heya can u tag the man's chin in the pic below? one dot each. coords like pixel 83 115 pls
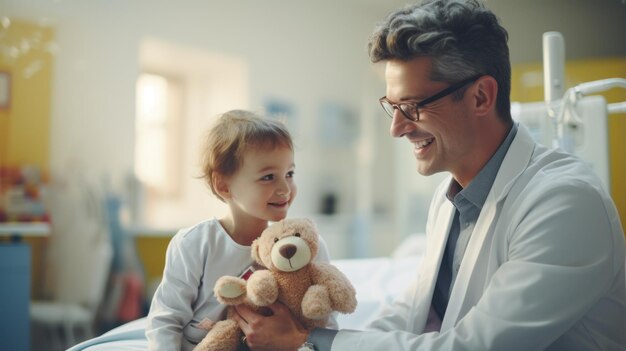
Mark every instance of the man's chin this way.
pixel 423 170
pixel 426 170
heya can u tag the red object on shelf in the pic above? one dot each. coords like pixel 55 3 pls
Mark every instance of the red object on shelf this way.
pixel 21 191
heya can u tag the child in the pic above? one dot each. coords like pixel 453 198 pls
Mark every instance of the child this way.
pixel 249 165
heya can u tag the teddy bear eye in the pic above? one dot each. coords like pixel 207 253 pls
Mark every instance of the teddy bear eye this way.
pixel 275 240
pixel 297 235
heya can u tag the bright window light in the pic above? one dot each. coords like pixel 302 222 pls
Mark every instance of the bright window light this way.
pixel 156 137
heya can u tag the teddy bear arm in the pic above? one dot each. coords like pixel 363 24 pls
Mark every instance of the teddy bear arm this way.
pixel 340 290
pixel 316 303
pixel 262 288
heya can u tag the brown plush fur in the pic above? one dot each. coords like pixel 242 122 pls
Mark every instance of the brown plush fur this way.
pixel 310 290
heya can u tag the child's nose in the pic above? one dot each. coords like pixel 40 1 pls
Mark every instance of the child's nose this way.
pixel 283 189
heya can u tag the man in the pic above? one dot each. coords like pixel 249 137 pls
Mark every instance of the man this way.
pixel 525 249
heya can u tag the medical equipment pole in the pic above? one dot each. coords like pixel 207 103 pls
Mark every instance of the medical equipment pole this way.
pixel 553 66
pixel 554 87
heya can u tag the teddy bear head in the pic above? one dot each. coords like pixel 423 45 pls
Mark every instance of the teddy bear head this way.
pixel 287 245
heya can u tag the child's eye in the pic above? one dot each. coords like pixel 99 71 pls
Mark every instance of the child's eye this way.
pixel 290 174
pixel 267 177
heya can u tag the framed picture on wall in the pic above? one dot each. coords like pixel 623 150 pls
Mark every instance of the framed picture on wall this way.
pixel 5 90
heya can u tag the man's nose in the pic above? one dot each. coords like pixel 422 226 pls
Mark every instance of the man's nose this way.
pixel 398 124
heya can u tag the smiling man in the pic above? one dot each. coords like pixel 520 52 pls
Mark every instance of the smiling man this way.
pixel 525 250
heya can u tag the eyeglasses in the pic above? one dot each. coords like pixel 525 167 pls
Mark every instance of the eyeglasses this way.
pixel 410 110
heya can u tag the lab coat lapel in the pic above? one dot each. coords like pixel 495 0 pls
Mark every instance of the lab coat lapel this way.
pixel 471 271
pixel 436 245
pixel 469 266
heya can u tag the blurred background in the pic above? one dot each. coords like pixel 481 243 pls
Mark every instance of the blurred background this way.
pixel 104 104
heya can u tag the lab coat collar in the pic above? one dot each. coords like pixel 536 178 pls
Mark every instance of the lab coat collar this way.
pixel 514 163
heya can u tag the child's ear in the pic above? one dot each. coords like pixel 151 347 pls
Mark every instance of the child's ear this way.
pixel 220 183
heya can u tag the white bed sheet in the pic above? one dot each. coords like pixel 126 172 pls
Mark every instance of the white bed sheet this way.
pixel 378 281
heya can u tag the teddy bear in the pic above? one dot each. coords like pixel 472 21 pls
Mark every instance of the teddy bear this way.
pixel 311 290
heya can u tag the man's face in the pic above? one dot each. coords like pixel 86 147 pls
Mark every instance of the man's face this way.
pixel 443 136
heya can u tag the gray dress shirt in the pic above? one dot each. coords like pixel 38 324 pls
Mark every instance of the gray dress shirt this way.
pixel 468 203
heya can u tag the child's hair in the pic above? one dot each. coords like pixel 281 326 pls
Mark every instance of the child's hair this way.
pixel 234 133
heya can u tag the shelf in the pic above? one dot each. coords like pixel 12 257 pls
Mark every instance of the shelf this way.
pixel 24 229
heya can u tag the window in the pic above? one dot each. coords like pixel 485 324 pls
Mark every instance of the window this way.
pixel 157 134
pixel 176 103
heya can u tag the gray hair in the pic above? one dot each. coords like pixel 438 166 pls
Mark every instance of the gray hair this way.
pixel 463 39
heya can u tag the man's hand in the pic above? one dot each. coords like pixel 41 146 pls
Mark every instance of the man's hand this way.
pixel 278 332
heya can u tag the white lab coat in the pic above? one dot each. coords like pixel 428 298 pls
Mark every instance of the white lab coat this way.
pixel 544 267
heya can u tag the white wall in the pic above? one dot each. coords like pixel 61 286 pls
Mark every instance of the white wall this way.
pixel 306 53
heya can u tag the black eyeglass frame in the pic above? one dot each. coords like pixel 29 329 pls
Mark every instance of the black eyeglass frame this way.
pixel 443 93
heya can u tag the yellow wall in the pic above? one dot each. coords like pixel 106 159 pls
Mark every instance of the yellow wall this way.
pixel 151 251
pixel 25 126
pixel 527 86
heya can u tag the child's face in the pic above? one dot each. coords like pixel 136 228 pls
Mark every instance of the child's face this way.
pixel 264 186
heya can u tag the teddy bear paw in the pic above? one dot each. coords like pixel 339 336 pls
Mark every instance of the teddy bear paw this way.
pixel 230 290
pixel 316 311
pixel 316 303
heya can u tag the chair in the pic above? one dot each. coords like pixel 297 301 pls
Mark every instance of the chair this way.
pixel 79 264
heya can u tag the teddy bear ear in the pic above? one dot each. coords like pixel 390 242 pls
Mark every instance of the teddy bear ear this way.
pixel 310 223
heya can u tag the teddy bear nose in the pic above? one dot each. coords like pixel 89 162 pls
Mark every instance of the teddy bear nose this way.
pixel 288 250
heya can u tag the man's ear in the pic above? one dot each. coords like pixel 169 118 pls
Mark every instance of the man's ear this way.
pixel 221 185
pixel 485 93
